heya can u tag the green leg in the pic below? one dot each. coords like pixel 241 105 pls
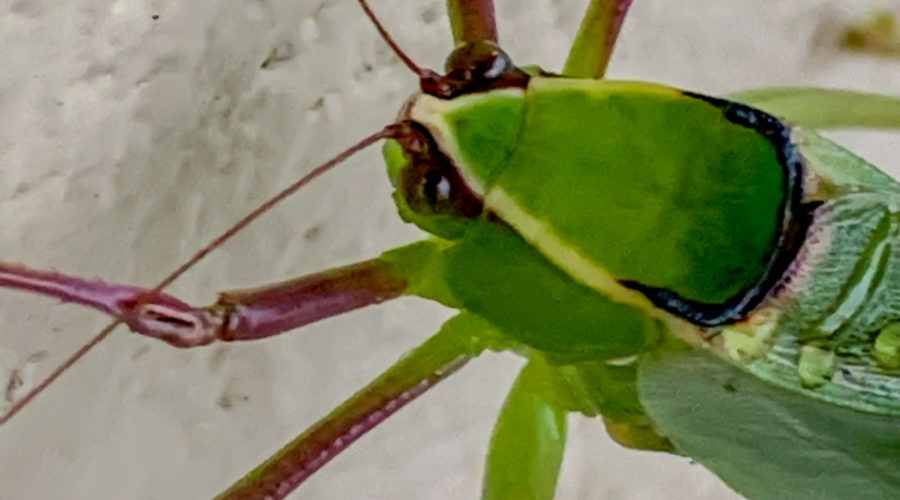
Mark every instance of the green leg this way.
pixel 825 108
pixel 528 443
pixel 596 39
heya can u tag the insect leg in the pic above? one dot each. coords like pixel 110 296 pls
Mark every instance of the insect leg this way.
pixel 825 108
pixel 458 341
pixel 247 314
pixel 596 38
pixel 529 437
pixel 528 443
pixel 472 21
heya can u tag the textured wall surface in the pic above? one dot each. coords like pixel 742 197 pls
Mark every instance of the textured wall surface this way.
pixel 128 140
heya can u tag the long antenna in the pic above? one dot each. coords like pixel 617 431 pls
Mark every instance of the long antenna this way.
pixel 389 131
pixel 415 68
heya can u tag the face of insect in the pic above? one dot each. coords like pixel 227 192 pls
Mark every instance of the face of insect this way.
pixel 430 189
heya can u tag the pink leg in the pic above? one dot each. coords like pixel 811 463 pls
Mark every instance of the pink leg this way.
pixel 436 359
pixel 238 315
pixel 472 20
pixel 270 310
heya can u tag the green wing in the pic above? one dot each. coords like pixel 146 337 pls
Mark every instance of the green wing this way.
pixel 767 442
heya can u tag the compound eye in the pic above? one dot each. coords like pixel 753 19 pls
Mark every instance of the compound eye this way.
pixel 435 188
pixel 479 61
pixel 429 182
pixel 474 67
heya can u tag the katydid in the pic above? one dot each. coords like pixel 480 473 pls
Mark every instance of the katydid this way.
pixel 614 280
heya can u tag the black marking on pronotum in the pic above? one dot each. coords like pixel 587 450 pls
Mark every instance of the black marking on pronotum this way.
pixel 792 229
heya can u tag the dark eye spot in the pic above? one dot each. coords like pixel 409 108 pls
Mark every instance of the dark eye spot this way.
pixel 474 67
pixel 431 183
pixel 435 187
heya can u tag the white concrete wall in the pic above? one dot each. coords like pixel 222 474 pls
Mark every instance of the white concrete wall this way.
pixel 128 142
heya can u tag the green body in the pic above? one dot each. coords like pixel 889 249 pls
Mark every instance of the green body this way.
pixel 710 278
pixel 566 161
pixel 590 185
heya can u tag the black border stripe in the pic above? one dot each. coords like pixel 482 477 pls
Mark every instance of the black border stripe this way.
pixel 791 233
